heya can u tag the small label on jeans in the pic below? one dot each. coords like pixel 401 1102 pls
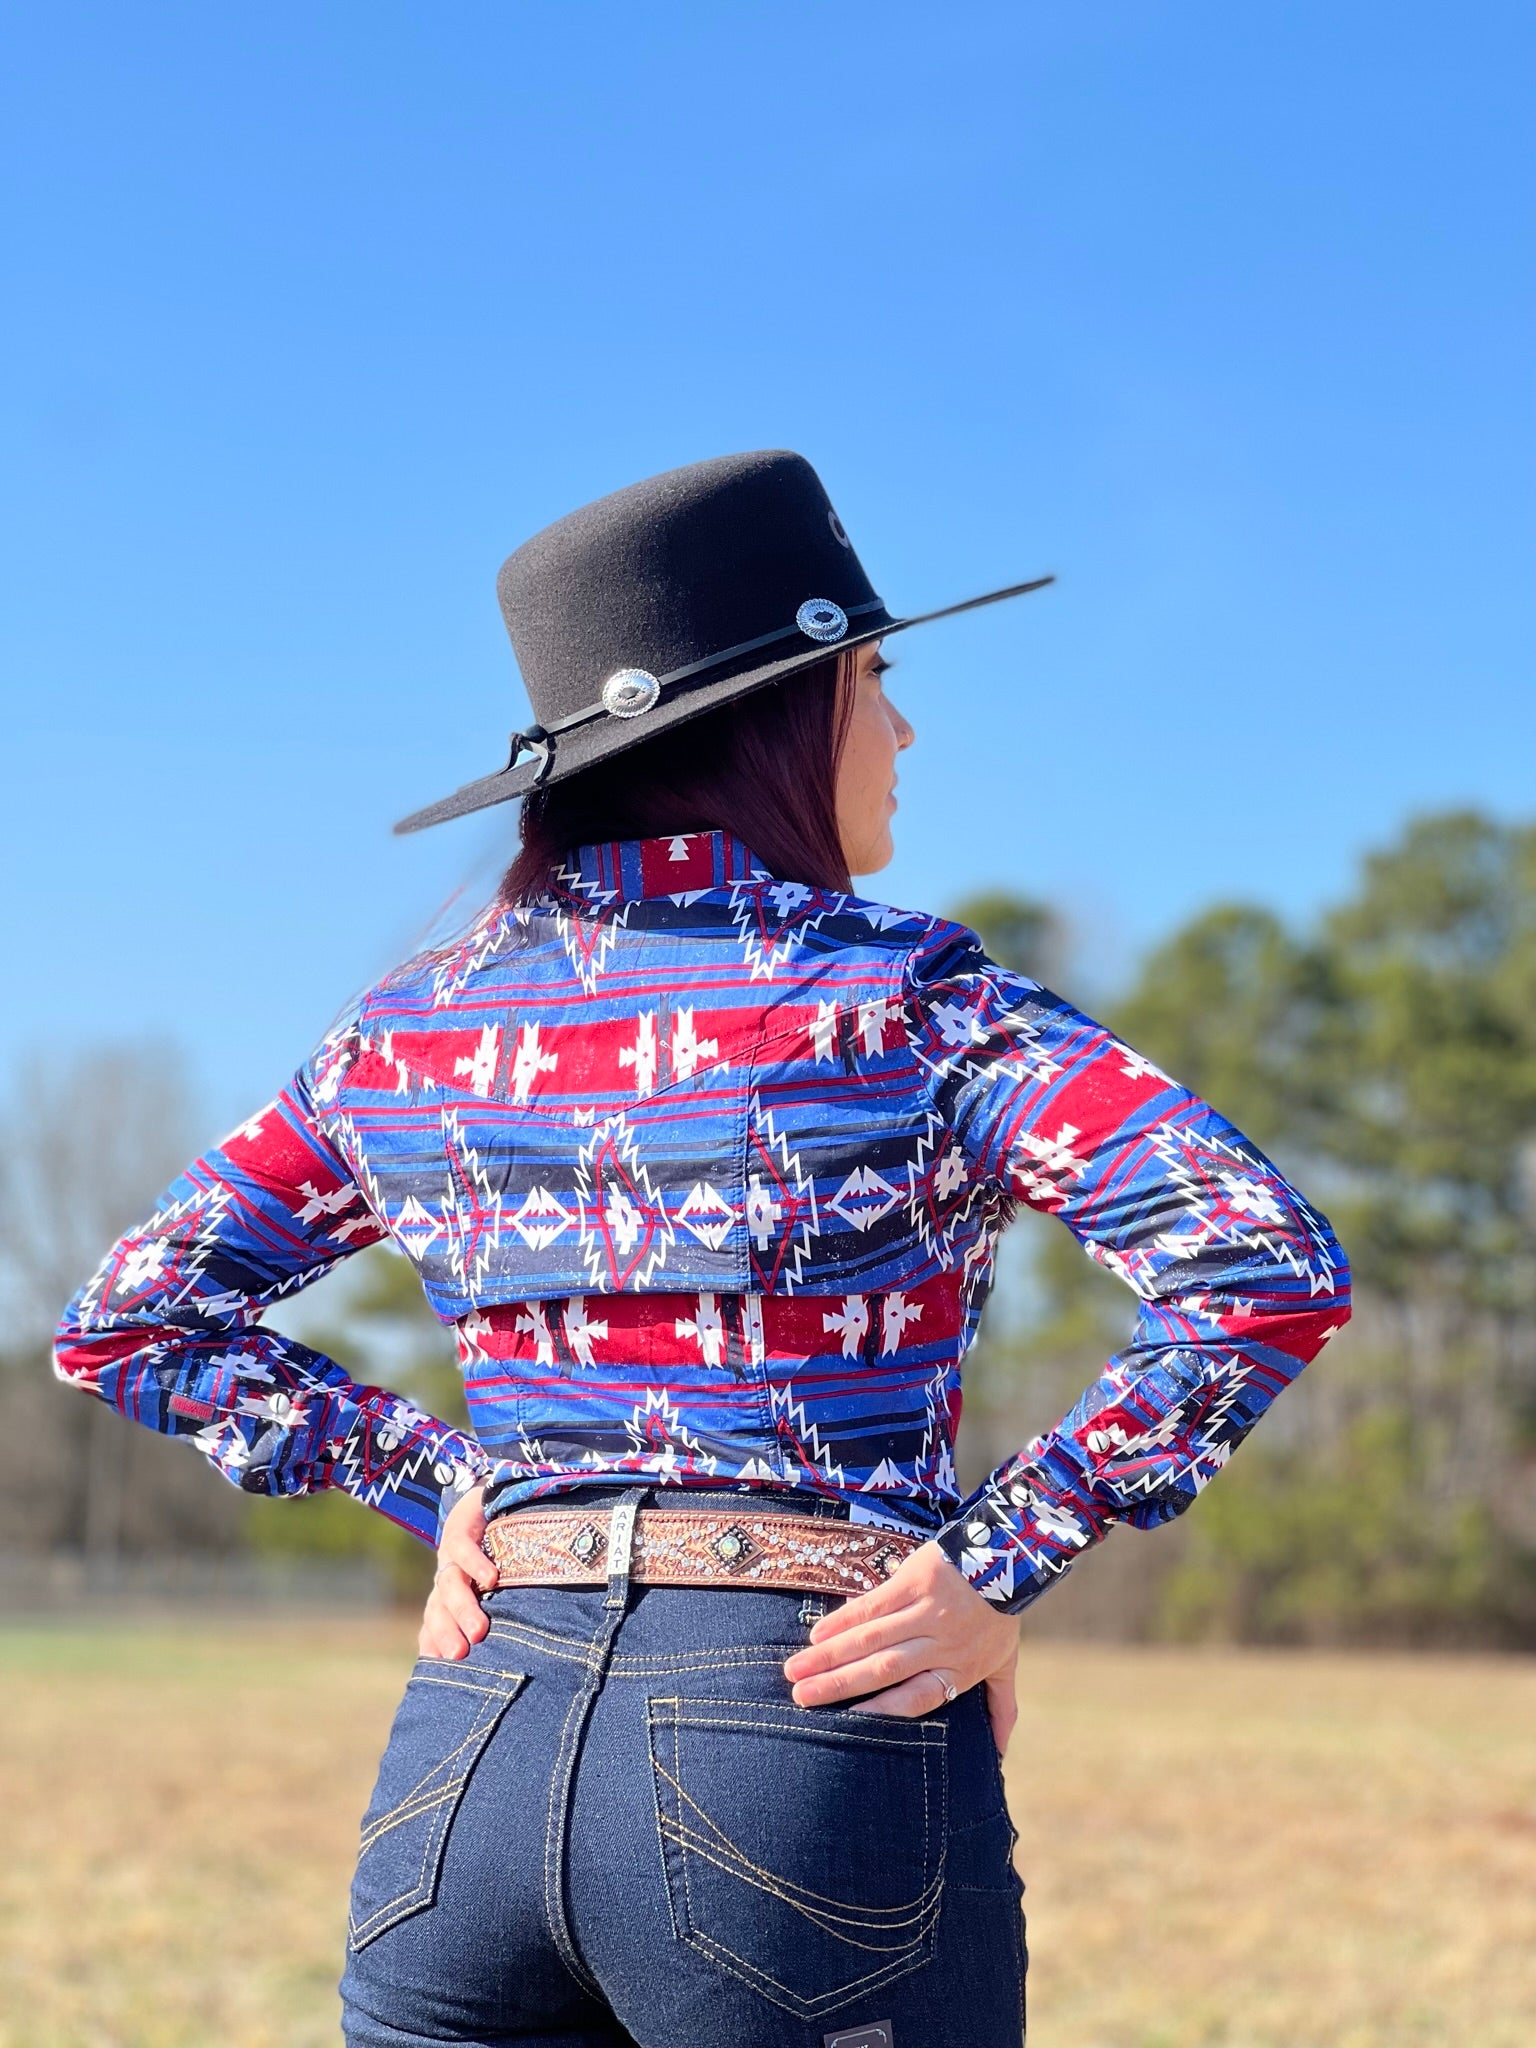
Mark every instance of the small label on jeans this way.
pixel 876 2035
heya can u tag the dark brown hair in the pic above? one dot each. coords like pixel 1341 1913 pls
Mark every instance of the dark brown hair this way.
pixel 763 768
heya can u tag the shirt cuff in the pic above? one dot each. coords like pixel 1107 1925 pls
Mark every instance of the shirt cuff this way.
pixel 471 1468
pixel 1024 1528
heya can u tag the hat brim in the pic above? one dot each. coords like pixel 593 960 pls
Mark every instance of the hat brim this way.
pixel 605 736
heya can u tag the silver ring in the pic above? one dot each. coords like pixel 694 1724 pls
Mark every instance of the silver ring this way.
pixel 951 1692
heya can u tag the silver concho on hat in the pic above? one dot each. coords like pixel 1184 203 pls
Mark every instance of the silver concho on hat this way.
pixel 820 619
pixel 630 692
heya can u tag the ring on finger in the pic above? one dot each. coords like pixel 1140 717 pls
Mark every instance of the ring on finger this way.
pixel 951 1690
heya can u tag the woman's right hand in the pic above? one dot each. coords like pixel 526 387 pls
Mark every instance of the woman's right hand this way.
pixel 454 1618
pixel 919 1639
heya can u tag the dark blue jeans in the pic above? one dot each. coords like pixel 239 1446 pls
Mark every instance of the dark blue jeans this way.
pixel 611 1825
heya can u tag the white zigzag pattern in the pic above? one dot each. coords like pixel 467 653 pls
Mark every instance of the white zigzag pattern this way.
pixel 331 1060
pixel 589 961
pixel 1212 1448
pixel 809 1227
pixel 746 904
pixel 936 1137
pixel 614 1131
pixel 934 1466
pixel 465 1229
pixel 427 1459
pixel 473 951
pixel 659 1412
pixel 977 1053
pixel 413 1226
pixel 1174 1150
pixel 207 1208
pixel 789 1417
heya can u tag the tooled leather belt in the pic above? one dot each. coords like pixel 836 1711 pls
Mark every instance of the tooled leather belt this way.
pixel 696 1547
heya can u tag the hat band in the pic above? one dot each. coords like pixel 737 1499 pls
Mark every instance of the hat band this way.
pixel 641 690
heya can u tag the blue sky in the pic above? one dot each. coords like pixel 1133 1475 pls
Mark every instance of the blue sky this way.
pixel 1223 314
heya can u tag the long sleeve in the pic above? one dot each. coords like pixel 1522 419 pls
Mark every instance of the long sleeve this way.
pixel 1240 1282
pixel 169 1332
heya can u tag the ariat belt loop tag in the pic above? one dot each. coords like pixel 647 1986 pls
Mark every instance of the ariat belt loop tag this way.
pixel 621 1540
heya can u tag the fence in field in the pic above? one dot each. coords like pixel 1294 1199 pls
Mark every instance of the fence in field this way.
pixel 75 1585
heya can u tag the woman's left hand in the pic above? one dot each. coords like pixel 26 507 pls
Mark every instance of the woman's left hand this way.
pixel 898 1649
pixel 454 1619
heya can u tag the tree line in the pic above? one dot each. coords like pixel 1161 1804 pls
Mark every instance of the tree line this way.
pixel 1385 1058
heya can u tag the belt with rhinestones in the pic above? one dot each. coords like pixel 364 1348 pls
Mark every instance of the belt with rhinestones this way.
pixel 696 1547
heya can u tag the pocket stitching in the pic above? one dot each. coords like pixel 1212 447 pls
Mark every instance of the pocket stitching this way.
pixel 494 1692
pixel 414 1798
pixel 922 1739
pixel 791 2001
pixel 788 1726
pixel 406 1901
pixel 824 1909
pixel 699 1660
pixel 495 1701
pixel 399 1908
pixel 542 1641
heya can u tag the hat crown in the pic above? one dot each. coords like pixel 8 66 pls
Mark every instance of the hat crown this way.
pixel 674 571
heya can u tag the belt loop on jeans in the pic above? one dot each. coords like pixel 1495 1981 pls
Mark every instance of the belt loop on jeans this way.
pixel 621 1539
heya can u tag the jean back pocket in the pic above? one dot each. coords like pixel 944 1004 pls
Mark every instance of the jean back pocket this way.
pixel 441 1729
pixel 803 1848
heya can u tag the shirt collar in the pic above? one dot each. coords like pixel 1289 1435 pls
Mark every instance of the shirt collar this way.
pixel 628 870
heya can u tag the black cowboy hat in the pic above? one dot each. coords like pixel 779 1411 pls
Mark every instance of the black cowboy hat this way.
pixel 668 598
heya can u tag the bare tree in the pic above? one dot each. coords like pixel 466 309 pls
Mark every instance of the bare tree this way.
pixel 86 1145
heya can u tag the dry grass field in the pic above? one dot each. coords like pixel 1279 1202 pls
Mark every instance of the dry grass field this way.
pixel 1223 1851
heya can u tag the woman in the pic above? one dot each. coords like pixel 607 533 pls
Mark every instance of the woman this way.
pixel 706 1157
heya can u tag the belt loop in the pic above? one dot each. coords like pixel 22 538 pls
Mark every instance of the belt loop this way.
pixel 621 1540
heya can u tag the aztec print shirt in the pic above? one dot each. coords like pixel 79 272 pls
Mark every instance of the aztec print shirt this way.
pixel 707 1169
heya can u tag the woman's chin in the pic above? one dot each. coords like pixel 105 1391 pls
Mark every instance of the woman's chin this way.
pixel 872 858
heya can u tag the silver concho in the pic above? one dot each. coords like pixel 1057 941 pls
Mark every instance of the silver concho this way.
pixel 820 619
pixel 629 692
